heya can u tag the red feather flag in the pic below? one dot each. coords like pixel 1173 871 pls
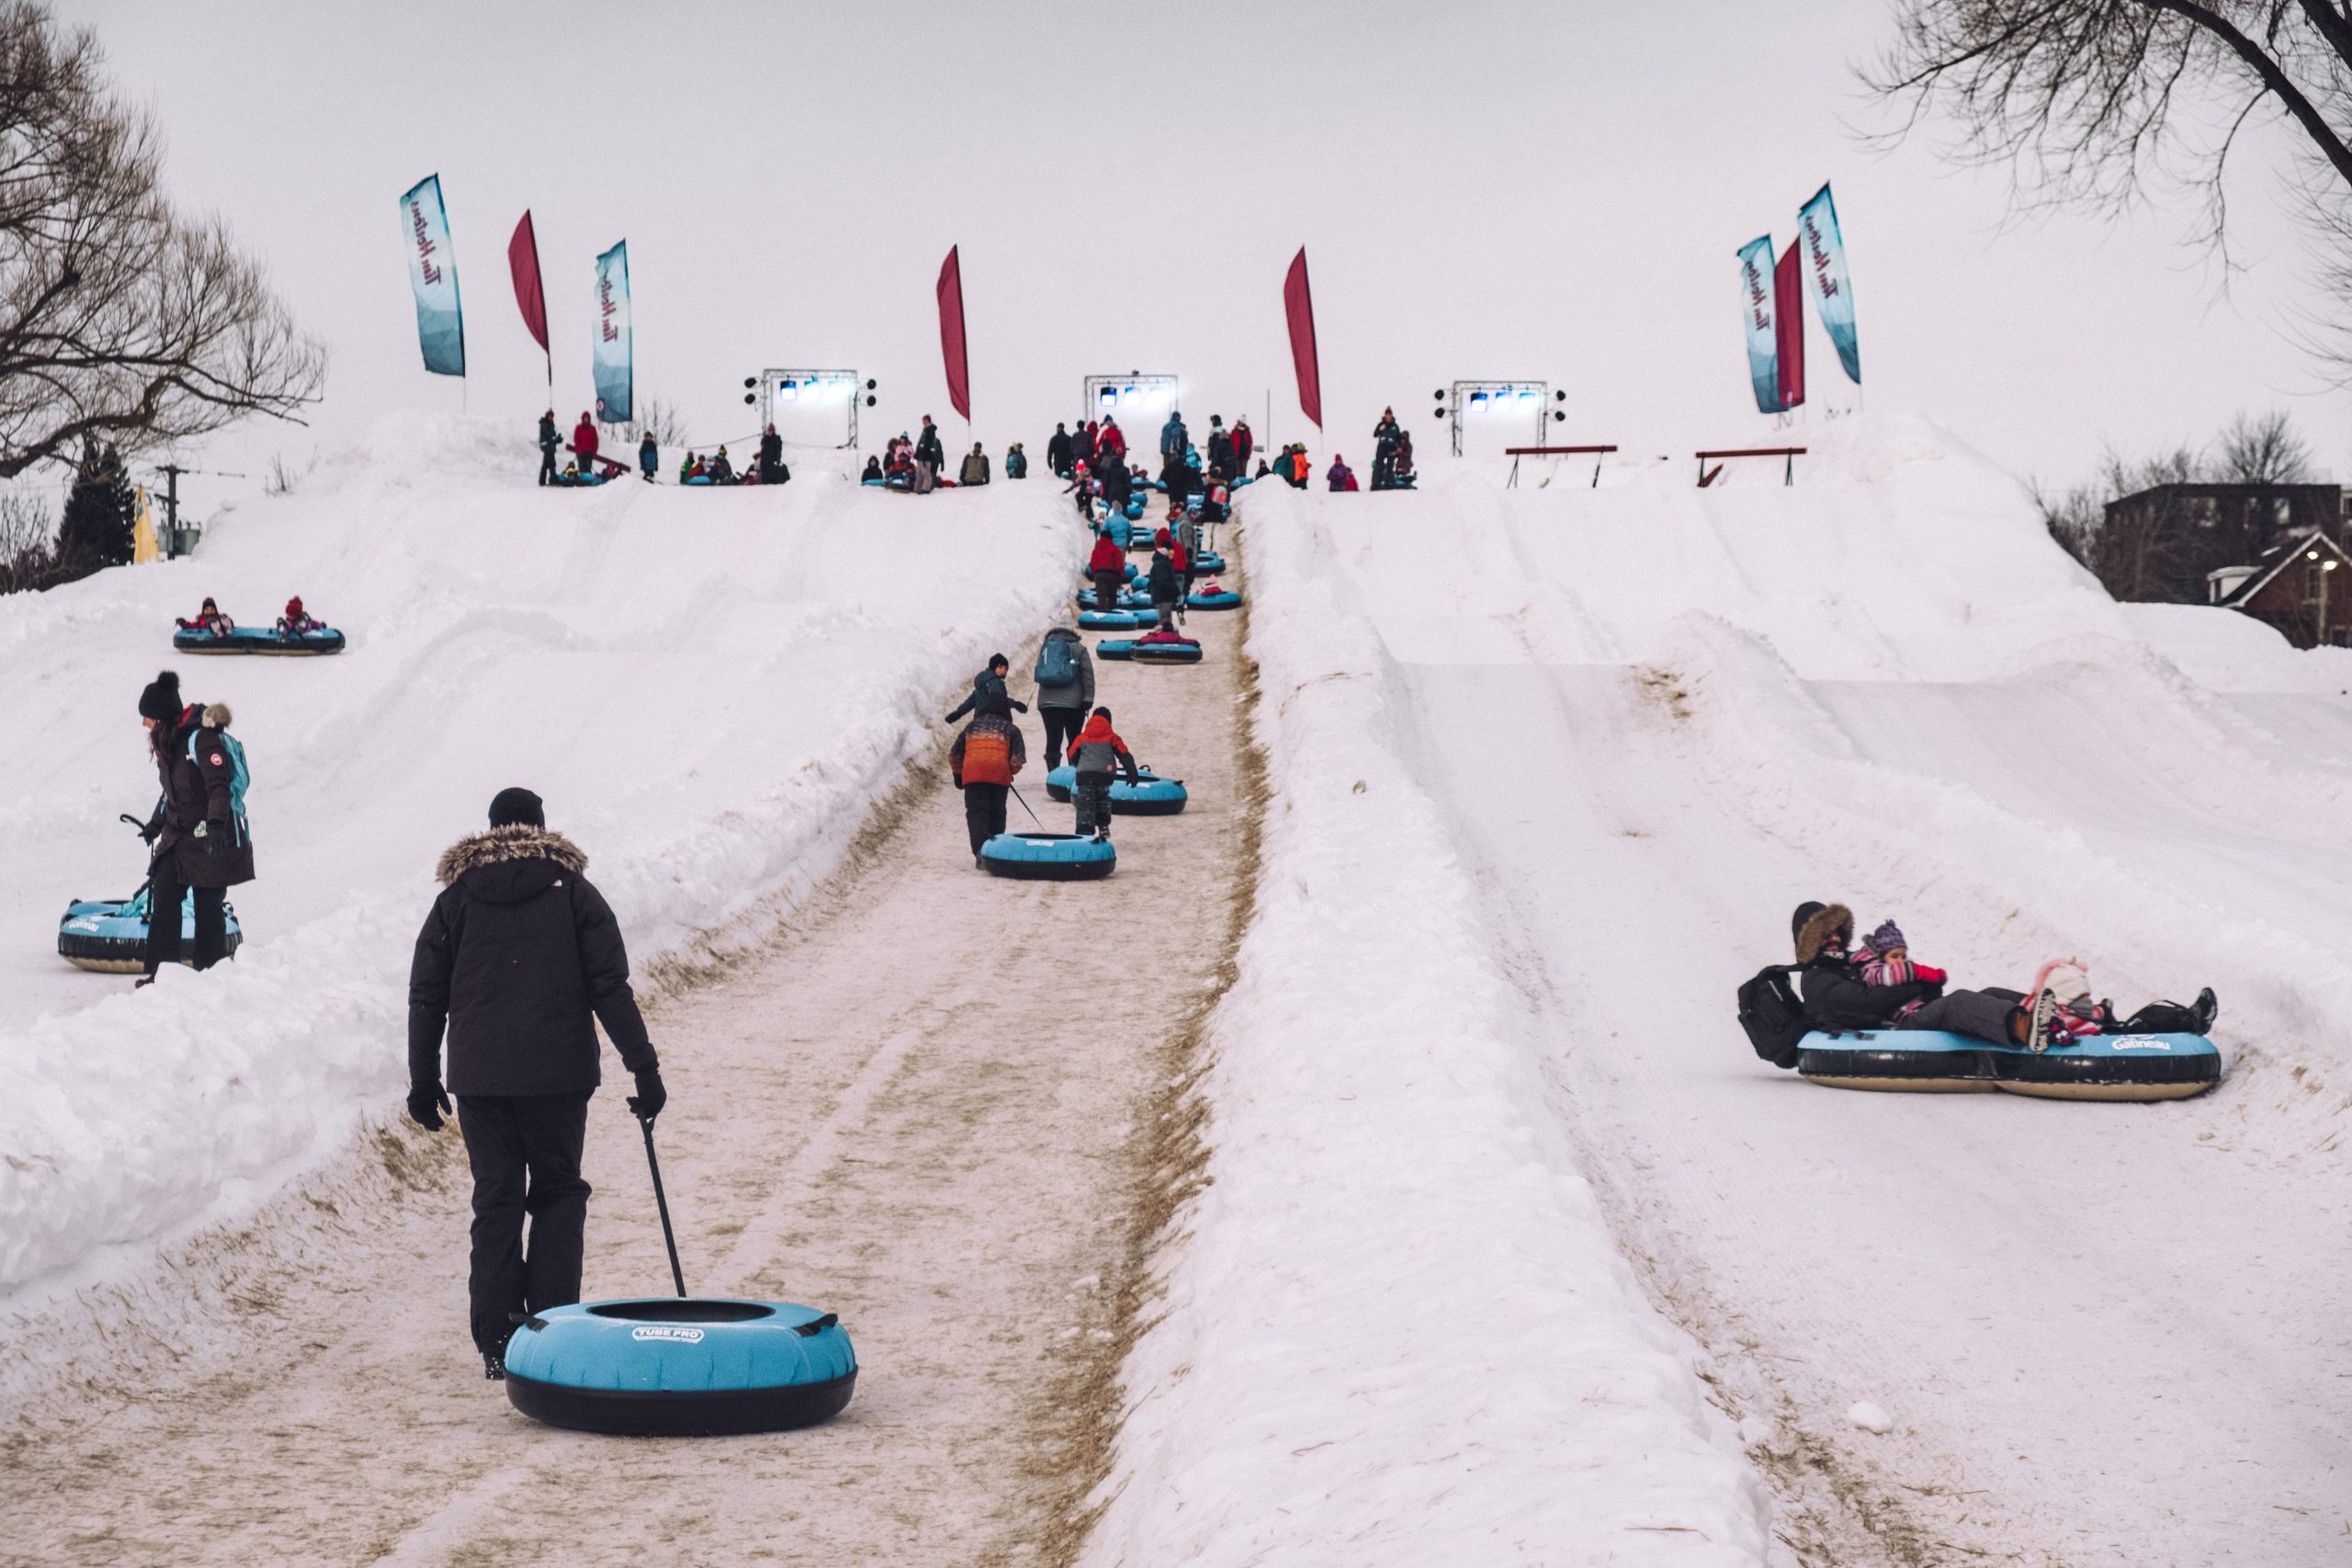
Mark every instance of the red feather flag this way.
pixel 1299 305
pixel 1788 324
pixel 951 334
pixel 523 260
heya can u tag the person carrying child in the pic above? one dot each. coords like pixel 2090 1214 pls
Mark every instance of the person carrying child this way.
pixel 1096 754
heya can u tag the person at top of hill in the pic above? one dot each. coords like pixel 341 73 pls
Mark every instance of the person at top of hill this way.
pixel 688 467
pixel 1096 754
pixel 1111 440
pixel 583 439
pixel 1085 443
pixel 1108 566
pixel 649 457
pixel 208 620
pixel 1400 462
pixel 1059 450
pixel 1116 482
pixel 873 474
pixel 722 471
pixel 1214 501
pixel 518 960
pixel 929 458
pixel 984 760
pixel 1016 462
pixel 1243 445
pixel 975 470
pixel 1342 477
pixel 1220 450
pixel 549 439
pixel 1083 488
pixel 1173 438
pixel 1065 676
pixel 772 469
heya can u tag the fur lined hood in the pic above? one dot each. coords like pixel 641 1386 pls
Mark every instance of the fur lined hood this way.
pixel 1815 924
pixel 216 717
pixel 495 846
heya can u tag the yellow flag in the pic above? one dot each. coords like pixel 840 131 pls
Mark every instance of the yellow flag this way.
pixel 143 547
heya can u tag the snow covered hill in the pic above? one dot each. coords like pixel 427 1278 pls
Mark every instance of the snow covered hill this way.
pixel 709 688
pixel 1551 768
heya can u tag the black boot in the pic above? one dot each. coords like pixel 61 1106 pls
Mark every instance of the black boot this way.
pixel 493 1366
pixel 2205 1009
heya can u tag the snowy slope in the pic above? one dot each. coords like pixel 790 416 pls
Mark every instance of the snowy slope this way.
pixel 708 687
pixel 1652 719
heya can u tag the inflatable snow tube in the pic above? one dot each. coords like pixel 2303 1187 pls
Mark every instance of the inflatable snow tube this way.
pixel 1172 650
pixel 1049 857
pixel 1130 600
pixel 1115 647
pixel 109 936
pixel 2099 1067
pixel 1221 599
pixel 1133 512
pixel 680 1367
pixel 1116 620
pixel 1149 796
pixel 254 639
pixel 1208 561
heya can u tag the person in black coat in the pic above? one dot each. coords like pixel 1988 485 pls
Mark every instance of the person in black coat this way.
pixel 520 959
pixel 1058 452
pixel 550 438
pixel 1836 1000
pixel 772 468
pixel 199 841
pixel 1118 483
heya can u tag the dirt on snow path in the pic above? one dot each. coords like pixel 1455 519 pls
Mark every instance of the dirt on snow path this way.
pixel 937 1102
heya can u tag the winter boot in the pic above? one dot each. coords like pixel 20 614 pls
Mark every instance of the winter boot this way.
pixel 493 1366
pixel 2205 1009
pixel 2045 1012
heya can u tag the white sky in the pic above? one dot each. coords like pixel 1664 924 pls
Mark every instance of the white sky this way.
pixel 1485 191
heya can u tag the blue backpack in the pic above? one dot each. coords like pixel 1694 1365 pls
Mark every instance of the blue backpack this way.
pixel 1058 663
pixel 240 775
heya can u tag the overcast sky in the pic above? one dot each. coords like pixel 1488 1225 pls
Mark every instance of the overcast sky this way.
pixel 1534 190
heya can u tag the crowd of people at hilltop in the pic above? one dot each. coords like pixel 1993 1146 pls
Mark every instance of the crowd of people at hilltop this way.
pixel 1094 455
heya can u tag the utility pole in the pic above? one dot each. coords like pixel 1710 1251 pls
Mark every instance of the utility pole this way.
pixel 171 472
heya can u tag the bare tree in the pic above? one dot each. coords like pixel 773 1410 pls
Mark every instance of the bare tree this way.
pixel 120 320
pixel 2262 450
pixel 28 544
pixel 655 418
pixel 2098 102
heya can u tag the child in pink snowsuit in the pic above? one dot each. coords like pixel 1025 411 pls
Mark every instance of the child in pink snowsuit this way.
pixel 1886 960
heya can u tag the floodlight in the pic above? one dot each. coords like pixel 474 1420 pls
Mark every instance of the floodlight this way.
pixel 750 397
pixel 751 380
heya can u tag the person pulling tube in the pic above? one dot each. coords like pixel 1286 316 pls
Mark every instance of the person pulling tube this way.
pixel 520 958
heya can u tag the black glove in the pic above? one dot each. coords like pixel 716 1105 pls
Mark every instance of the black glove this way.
pixel 1021 707
pixel 426 1103
pixel 650 1097
pixel 215 838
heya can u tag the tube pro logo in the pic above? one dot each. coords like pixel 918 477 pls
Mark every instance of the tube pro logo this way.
pixel 668 1332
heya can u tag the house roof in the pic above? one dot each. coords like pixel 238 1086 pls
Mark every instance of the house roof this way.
pixel 2276 560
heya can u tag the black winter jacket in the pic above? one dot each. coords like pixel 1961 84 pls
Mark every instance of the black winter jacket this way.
pixel 518 955
pixel 928 449
pixel 1165 589
pixel 1058 452
pixel 1835 999
pixel 199 792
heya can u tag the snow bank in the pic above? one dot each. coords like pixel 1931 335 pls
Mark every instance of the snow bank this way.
pixel 1400 1330
pixel 709 688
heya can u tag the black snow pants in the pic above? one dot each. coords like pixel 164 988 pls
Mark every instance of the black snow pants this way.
pixel 1106 589
pixel 984 811
pixel 1979 1015
pixel 1062 726
pixel 525 1150
pixel 164 897
pixel 1093 794
pixel 547 465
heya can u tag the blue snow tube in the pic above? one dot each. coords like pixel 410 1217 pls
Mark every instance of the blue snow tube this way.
pixel 1208 561
pixel 1130 600
pixel 1117 620
pixel 1222 599
pixel 1149 796
pixel 1049 857
pixel 2098 1066
pixel 1115 647
pixel 680 1367
pixel 109 936
pixel 259 640
pixel 1175 650
pixel 1133 512
pixel 700 479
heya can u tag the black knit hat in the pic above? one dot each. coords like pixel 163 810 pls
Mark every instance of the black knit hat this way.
pixel 160 700
pixel 517 807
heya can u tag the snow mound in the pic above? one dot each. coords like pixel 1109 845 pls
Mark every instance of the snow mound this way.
pixel 709 687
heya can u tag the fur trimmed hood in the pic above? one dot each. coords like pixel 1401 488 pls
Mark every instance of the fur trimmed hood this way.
pixel 216 717
pixel 1815 924
pixel 497 845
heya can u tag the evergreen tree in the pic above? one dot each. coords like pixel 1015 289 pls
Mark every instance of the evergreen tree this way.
pixel 98 530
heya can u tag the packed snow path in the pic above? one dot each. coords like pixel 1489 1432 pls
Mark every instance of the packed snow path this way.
pixel 1656 719
pixel 919 1107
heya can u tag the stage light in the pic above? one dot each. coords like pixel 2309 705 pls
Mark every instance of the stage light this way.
pixel 1527 394
pixel 751 380
pixel 1558 418
pixel 869 397
pixel 1438 396
pixel 1477 397
pixel 1559 397
pixel 750 397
